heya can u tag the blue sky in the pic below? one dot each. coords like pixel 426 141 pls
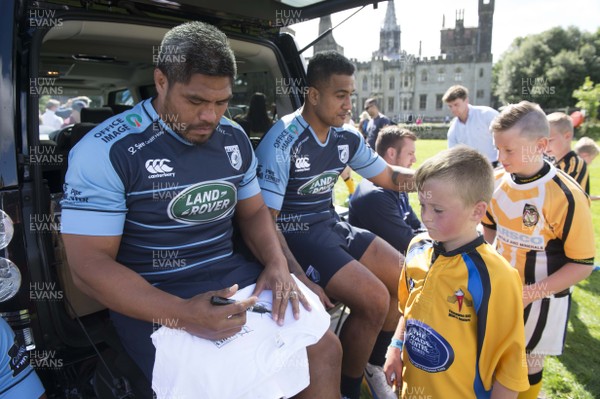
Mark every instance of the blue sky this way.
pixel 422 21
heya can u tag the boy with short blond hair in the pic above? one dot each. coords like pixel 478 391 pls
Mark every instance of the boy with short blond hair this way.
pixel 461 331
pixel 541 220
pixel 559 147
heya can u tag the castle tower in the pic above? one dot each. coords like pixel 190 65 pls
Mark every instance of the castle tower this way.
pixel 486 22
pixel 328 42
pixel 389 35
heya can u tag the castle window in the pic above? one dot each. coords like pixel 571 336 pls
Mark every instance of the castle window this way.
pixel 439 104
pixel 365 84
pixel 481 72
pixel 392 83
pixel 423 76
pixel 458 75
pixel 480 93
pixel 405 104
pixel 423 101
pixel 390 104
pixel 441 75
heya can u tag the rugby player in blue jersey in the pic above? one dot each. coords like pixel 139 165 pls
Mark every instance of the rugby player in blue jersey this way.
pixel 166 178
pixel 299 161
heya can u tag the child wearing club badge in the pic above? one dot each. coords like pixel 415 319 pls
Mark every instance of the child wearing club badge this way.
pixel 541 220
pixel 461 331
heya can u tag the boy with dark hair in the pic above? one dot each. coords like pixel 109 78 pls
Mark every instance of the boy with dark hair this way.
pixel 299 161
pixel 472 123
pixel 461 330
pixel 542 223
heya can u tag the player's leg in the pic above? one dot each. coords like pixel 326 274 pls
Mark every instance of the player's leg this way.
pixel 324 362
pixel 368 300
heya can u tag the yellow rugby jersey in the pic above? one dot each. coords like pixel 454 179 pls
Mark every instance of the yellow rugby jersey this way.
pixel 464 321
pixel 575 167
pixel 541 223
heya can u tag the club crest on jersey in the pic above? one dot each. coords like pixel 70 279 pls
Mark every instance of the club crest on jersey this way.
pixel 459 297
pixel 530 215
pixel 343 153
pixel 234 155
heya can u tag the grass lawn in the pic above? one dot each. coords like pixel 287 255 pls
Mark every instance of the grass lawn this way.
pixel 569 376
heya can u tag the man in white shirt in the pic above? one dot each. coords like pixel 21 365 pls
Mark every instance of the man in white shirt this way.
pixel 472 123
pixel 49 118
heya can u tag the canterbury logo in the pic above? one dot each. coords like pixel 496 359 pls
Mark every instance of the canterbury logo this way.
pixel 302 163
pixel 158 166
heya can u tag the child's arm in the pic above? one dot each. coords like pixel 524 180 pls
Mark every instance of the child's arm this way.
pixel 499 391
pixel 568 275
pixel 393 359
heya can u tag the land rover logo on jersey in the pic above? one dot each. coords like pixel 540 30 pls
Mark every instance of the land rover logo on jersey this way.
pixel 134 120
pixel 322 183
pixel 203 202
pixel 427 349
pixel 234 155
pixel 530 215
pixel 343 153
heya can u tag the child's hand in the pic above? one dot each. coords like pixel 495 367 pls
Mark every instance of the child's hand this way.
pixel 393 367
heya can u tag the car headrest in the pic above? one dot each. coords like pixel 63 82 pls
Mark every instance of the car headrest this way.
pixel 96 115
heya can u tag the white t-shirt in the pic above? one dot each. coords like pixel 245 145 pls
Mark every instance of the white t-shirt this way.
pixel 263 361
pixel 475 132
pixel 49 118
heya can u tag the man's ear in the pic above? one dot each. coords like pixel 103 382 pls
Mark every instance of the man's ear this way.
pixel 390 154
pixel 313 96
pixel 161 82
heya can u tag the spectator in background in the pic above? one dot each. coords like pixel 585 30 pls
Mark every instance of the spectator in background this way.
pixel 256 122
pixel 559 148
pixel 49 118
pixel 472 123
pixel 587 149
pixel 75 116
pixel 377 121
pixel 384 212
pixel 363 122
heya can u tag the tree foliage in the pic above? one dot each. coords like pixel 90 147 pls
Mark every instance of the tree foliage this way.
pixel 547 67
pixel 589 98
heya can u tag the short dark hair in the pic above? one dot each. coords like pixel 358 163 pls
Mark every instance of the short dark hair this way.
pixel 389 136
pixel 455 92
pixel 195 47
pixel 325 64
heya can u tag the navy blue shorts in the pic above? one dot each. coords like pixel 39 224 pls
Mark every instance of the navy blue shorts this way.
pixel 135 334
pixel 326 246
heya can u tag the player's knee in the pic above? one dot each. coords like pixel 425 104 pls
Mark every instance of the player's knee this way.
pixel 373 304
pixel 326 352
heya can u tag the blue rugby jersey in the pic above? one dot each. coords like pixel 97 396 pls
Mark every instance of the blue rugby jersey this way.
pixel 169 200
pixel 297 172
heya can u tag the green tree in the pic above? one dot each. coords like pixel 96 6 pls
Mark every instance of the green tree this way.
pixel 589 98
pixel 547 67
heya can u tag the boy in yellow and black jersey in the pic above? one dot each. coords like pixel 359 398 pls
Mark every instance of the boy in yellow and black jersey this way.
pixel 542 223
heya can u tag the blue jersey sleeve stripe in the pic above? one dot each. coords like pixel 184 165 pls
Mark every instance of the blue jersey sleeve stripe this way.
pixel 192 244
pixel 249 190
pixel 180 269
pixel 372 169
pixel 479 285
pixel 92 223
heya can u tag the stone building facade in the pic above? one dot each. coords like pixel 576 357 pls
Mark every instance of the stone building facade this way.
pixel 410 87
